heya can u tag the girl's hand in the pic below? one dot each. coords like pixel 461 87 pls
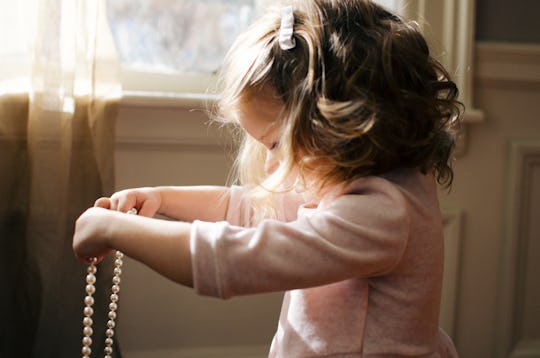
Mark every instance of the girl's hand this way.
pixel 92 234
pixel 147 201
pixel 163 245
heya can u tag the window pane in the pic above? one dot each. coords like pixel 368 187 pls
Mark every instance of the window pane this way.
pixel 188 36
pixel 18 20
pixel 396 6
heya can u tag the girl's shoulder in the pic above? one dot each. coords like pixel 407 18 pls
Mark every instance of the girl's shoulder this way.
pixel 396 188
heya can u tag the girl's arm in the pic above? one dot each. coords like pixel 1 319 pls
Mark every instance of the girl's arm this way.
pixel 187 203
pixel 160 244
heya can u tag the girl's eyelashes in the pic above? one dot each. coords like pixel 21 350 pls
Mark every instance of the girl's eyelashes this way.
pixel 273 145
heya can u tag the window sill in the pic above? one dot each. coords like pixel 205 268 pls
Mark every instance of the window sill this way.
pixel 168 99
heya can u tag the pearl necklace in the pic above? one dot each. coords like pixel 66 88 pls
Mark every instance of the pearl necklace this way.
pixel 113 305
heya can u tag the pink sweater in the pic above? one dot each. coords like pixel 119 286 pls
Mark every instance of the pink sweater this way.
pixel 362 269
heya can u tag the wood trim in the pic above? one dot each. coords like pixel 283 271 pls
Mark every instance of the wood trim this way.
pixel 202 352
pixel 524 155
pixel 527 349
pixel 452 224
pixel 167 99
pixel 506 65
pixel 125 142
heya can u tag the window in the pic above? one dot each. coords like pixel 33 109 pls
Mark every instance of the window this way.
pixel 394 5
pixel 175 46
pixel 178 45
pixel 18 25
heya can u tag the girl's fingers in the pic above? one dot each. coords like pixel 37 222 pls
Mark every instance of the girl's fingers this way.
pixel 95 260
pixel 126 202
pixel 114 203
pixel 103 203
pixel 148 209
pixel 90 260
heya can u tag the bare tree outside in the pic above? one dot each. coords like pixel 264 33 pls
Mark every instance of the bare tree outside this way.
pixel 188 36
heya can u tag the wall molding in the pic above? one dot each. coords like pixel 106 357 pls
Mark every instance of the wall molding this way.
pixel 170 143
pixel 524 159
pixel 202 352
pixel 160 99
pixel 452 226
pixel 507 65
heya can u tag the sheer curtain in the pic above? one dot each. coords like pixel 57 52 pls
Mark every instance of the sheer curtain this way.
pixel 58 102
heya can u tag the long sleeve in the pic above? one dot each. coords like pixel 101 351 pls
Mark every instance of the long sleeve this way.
pixel 360 234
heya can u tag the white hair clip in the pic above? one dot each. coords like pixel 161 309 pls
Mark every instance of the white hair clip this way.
pixel 286 32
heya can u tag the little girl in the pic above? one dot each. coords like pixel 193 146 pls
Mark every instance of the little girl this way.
pixel 348 125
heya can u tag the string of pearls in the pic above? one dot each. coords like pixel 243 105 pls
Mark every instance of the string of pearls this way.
pixel 113 305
